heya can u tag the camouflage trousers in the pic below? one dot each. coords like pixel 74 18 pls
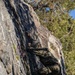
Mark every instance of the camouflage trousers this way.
pixel 50 63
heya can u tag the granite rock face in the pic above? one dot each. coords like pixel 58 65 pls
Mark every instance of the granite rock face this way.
pixel 16 19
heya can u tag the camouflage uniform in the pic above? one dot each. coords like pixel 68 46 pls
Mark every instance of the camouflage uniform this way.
pixel 49 63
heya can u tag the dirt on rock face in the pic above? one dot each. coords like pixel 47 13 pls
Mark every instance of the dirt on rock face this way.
pixel 19 26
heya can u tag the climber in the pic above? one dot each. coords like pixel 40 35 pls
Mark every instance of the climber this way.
pixel 51 65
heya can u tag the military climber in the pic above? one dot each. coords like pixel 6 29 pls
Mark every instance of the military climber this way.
pixel 51 65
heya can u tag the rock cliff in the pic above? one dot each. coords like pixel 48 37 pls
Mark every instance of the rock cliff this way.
pixel 17 20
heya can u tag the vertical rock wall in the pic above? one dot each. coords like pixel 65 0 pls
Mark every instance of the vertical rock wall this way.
pixel 16 18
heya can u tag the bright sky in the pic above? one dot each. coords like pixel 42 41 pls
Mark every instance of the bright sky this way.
pixel 72 13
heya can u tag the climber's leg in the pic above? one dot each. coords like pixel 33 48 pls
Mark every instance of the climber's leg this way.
pixel 51 70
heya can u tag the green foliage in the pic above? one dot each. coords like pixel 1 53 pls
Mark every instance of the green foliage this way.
pixel 69 4
pixel 70 64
